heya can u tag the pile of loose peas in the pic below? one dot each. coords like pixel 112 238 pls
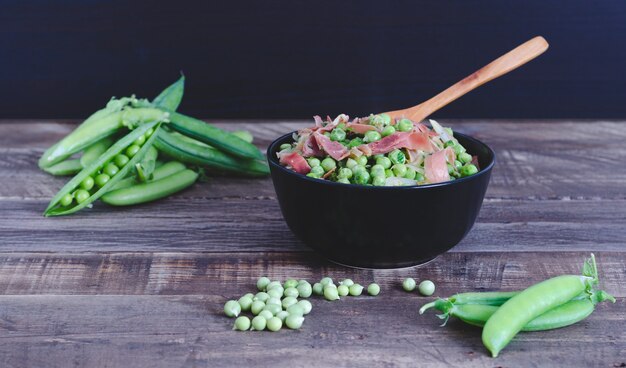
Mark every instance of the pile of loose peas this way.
pixel 276 304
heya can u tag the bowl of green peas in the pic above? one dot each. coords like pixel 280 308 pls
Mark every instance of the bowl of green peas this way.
pixel 410 194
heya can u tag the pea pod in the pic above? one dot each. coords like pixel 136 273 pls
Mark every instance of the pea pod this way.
pixel 171 97
pixel 63 203
pixel 151 190
pixel 145 168
pixel 160 172
pixel 67 167
pixel 244 134
pixel 214 136
pixel 94 151
pixel 185 150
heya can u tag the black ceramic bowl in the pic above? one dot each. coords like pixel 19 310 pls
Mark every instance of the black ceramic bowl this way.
pixel 381 227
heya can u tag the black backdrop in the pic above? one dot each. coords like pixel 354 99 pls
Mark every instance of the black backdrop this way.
pixel 267 59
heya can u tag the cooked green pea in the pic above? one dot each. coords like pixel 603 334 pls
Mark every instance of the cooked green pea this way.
pixel 458 149
pixel 385 162
pixel 140 140
pixel 275 301
pixel 468 170
pixel 356 289
pixel 256 307
pixel 314 161
pixel 389 173
pixel 337 135
pixel 232 308
pixel 344 173
pixel 132 150
pixel 408 284
pixel 289 301
pixel 318 289
pixel 284 146
pixel 361 177
pixel 242 323
pixel 328 164
pixel 351 163
pixel 388 130
pixel 379 180
pixel 355 142
pixel 427 288
pixel 111 169
pixel 331 293
pixel 304 290
pixel 102 179
pixel 272 308
pixel 343 181
pixel 318 171
pixel 362 160
pixel 373 289
pixel 419 177
pixel 121 159
pixel 306 306
pixel 245 302
pixel 343 290
pixel 377 170
pixel 87 183
pixel 266 314
pixel 346 282
pixel 294 322
pixel 274 324
pixel 405 125
pixel 259 323
pixel 465 157
pixel 397 157
pixel 262 296
pixel 275 292
pixel 66 200
pixel 410 173
pixel 291 291
pixel 326 281
pixel 282 315
pixel 371 136
pixel 295 309
pixel 81 195
pixel 291 283
pixel 262 283
pixel 399 170
pixel 386 119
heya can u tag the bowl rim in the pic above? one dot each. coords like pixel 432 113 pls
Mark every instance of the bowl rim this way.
pixel 273 162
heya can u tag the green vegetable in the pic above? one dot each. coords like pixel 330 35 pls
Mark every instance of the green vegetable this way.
pixel 121 159
pixel 465 157
pixel 343 290
pixel 331 293
pixel 242 323
pixel 356 289
pixel 306 306
pixel 245 302
pixel 304 289
pixel 328 164
pixel 326 281
pixel 373 289
pixel 344 173
pixel 262 296
pixel 361 177
pixel 468 170
pixel 371 136
pixel 399 170
pixel 282 315
pixel 313 161
pixel 132 150
pixel 291 283
pixel 262 283
pixel 273 309
pixel 256 307
pixel 232 308
pixel 295 309
pixel 274 324
pixel 337 135
pixel 385 162
pixel 63 168
pixel 291 291
pixel 171 97
pixel 397 157
pixel 318 289
pixel 294 321
pixel 284 147
pixel 275 292
pixel 408 284
pixel 388 130
pixel 266 313
pixel 426 288
pixel 289 301
pixel 87 183
pixel 101 180
pixel 259 323
pixel 405 125
pixel 362 160
pixel 346 282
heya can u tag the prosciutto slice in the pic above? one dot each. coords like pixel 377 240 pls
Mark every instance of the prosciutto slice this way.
pixel 435 166
pixel 360 128
pixel 334 149
pixel 310 148
pixel 409 140
pixel 295 161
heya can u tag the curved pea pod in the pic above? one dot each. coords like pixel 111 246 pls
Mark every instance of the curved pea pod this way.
pixel 161 171
pixel 56 208
pixel 63 168
pixel 151 190
pixel 94 151
pixel 145 168
pixel 184 149
pixel 171 97
pixel 214 136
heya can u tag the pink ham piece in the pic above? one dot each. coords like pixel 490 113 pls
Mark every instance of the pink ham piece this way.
pixel 310 148
pixel 297 162
pixel 360 128
pixel 409 140
pixel 435 166
pixel 334 149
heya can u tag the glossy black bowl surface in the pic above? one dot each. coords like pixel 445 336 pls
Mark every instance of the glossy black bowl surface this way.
pixel 381 227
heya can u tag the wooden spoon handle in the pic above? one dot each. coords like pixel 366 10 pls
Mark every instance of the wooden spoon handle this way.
pixel 502 65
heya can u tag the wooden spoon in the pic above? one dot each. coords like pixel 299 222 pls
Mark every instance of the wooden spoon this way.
pixel 502 65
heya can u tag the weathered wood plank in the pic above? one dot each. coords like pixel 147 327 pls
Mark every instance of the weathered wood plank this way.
pixel 177 224
pixel 189 331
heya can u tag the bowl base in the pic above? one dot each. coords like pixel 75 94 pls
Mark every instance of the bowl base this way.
pixel 390 266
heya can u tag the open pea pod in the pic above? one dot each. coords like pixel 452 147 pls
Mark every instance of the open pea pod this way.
pixel 171 97
pixel 59 205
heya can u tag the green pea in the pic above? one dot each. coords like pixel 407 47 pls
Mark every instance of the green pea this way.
pixel 121 159
pixel 405 125
pixel 140 140
pixel 371 136
pixel 356 289
pixel 245 302
pixel 81 195
pixel 361 177
pixel 373 289
pixel 262 296
pixel 314 161
pixel 458 149
pixel 343 290
pixel 272 308
pixel 397 157
pixel 377 170
pixel 102 179
pixel 318 171
pixel 256 307
pixel 289 301
pixel 468 170
pixel 249 295
pixel 259 323
pixel 344 173
pixel 465 157
pixel 111 169
pixel 132 150
pixel 275 292
pixel 362 160
pixel 337 135
pixel 266 314
pixel 410 173
pixel 343 181
pixel 291 283
pixel 66 200
pixel 408 284
pixel 242 323
pixel 388 130
pixel 87 183
pixel 419 177
pixel 274 301
pixel 295 309
pixel 331 293
pixel 386 119
pixel 306 306
pixel 389 173
pixel 328 164
pixel 457 164
pixel 399 170
pixel 273 284
pixel 305 290
pixel 379 180
pixel 318 289
pixel 274 324
pixel 385 162
pixel 262 282
pixel 284 146
pixel 291 291
pixel 355 142
pixel 427 288
pixel 232 308
pixel 346 282
pixel 294 322
pixel 282 315
pixel 149 132
pixel 326 281
pixel 451 170
pixel 350 163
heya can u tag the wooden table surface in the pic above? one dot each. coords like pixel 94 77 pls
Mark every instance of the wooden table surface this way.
pixel 145 286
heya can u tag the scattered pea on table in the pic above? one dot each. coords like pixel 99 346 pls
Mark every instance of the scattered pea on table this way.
pixel 427 288
pixel 408 284
pixel 373 289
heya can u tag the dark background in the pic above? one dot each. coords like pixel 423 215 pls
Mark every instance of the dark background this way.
pixel 267 59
